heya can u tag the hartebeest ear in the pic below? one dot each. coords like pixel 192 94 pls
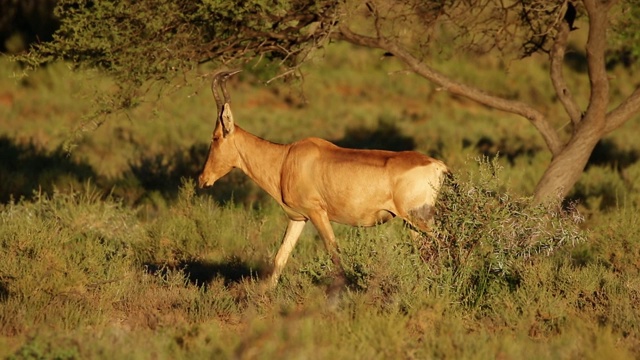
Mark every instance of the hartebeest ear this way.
pixel 226 120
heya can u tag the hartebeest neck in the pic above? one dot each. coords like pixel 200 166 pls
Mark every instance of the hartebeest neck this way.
pixel 261 160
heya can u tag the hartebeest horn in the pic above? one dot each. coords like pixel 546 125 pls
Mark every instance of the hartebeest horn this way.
pixel 223 85
pixel 214 84
pixel 216 96
pixel 223 116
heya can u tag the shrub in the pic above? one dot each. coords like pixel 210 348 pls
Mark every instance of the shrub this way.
pixel 485 234
pixel 64 251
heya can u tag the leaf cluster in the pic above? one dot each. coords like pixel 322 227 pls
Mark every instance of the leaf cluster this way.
pixel 141 42
pixel 136 41
pixel 448 26
pixel 626 37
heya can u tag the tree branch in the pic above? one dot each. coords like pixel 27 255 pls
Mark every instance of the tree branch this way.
pixel 609 4
pixel 623 112
pixel 538 120
pixel 556 58
pixel 596 63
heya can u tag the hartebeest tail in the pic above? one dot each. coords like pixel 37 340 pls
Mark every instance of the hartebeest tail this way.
pixel 315 180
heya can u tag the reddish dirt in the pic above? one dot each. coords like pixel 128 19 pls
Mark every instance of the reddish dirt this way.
pixel 7 99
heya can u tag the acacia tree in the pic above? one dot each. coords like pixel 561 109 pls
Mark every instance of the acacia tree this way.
pixel 155 40
pixel 536 26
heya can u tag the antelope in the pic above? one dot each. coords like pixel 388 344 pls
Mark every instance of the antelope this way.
pixel 315 180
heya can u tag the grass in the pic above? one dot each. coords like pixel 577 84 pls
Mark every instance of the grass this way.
pixel 84 277
pixel 110 251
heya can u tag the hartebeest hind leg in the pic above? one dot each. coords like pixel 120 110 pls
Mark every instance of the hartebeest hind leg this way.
pixel 421 224
pixel 420 220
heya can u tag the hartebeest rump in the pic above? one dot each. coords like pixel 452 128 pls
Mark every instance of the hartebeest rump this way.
pixel 313 179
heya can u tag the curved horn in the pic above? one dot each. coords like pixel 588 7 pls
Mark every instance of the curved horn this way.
pixel 216 96
pixel 223 85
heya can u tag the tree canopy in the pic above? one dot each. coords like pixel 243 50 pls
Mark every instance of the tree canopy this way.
pixel 141 42
pixel 136 41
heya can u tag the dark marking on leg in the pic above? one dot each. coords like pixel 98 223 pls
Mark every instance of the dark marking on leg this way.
pixel 422 218
pixel 420 222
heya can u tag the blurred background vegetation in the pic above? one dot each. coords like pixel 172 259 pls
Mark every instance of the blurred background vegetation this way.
pixel 366 102
pixel 25 22
pixel 107 249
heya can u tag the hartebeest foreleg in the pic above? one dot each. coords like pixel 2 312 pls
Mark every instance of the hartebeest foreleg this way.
pixel 321 221
pixel 291 236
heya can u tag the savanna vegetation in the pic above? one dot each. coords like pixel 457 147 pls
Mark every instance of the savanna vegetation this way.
pixel 107 248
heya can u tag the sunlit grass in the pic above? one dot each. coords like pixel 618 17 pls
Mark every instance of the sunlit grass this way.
pixel 187 284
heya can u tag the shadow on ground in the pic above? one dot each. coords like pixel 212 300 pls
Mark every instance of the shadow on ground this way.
pixel 508 148
pixel 608 153
pixel 202 272
pixel 26 168
pixel 387 136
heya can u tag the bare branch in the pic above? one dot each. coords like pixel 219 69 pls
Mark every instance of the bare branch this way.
pixel 538 120
pixel 623 112
pixel 556 58
pixel 283 74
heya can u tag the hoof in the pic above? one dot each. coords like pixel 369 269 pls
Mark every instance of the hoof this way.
pixel 335 292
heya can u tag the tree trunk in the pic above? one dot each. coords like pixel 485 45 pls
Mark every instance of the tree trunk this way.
pixel 567 166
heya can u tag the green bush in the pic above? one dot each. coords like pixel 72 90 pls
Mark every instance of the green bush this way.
pixel 65 252
pixel 487 235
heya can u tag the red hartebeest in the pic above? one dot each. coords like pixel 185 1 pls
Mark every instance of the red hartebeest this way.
pixel 313 179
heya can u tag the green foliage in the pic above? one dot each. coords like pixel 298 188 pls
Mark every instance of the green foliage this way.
pixel 140 43
pixel 626 38
pixel 488 235
pixel 59 252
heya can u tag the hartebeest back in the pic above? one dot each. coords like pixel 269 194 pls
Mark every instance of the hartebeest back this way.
pixel 313 179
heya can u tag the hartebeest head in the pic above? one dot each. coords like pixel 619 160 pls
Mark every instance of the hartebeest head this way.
pixel 223 155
